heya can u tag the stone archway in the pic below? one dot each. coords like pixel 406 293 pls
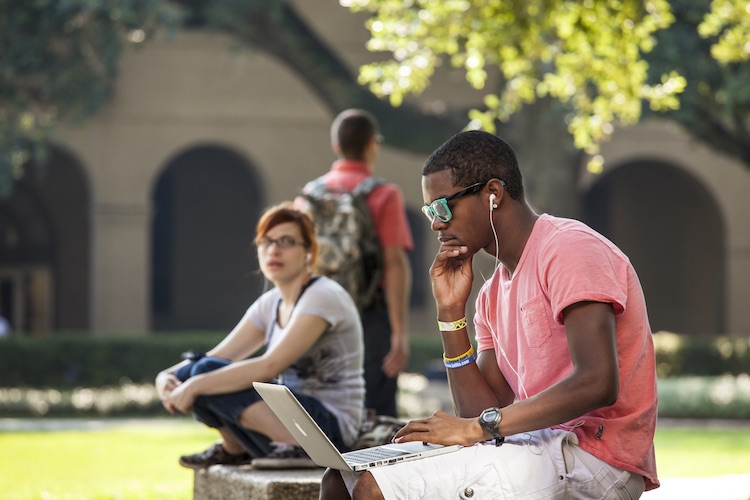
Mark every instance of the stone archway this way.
pixel 671 228
pixel 45 248
pixel 206 204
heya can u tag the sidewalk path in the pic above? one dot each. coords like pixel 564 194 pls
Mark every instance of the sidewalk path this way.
pixel 735 487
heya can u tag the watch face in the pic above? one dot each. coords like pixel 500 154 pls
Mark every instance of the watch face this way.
pixel 489 415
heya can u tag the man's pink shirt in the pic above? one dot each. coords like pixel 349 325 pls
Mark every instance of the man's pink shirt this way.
pixel 565 262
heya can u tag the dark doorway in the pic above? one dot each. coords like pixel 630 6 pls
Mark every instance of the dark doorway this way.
pixel 45 248
pixel 672 230
pixel 206 204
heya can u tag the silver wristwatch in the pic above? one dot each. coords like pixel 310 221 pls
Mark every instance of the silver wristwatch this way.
pixel 490 419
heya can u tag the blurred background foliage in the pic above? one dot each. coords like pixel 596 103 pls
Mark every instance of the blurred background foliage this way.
pixel 76 374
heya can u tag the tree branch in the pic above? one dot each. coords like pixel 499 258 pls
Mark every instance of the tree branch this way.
pixel 277 28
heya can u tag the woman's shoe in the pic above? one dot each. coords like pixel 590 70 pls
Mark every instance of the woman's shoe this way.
pixel 215 455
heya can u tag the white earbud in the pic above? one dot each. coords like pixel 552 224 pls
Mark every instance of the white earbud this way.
pixel 492 205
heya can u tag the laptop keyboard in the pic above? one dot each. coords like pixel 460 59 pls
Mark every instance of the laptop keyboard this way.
pixel 372 454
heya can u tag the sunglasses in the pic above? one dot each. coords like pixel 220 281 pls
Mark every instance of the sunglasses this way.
pixel 439 208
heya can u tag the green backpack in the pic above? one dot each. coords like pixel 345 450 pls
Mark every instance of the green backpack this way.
pixel 349 246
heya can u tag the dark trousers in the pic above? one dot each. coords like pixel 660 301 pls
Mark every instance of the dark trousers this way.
pixel 381 389
pixel 223 410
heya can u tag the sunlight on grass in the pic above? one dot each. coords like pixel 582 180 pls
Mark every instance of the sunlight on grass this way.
pixel 138 460
pixel 130 461
pixel 702 452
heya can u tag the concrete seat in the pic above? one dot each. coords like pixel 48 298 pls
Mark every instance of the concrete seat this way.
pixel 222 482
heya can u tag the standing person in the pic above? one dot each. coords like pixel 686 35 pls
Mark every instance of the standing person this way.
pixel 312 335
pixel 356 141
pixel 559 400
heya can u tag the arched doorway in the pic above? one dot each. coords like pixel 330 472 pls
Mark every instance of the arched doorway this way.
pixel 669 225
pixel 206 204
pixel 45 248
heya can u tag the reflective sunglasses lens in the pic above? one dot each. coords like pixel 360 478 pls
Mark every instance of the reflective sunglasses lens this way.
pixel 427 211
pixel 441 210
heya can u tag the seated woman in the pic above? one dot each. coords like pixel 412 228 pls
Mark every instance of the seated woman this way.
pixel 312 335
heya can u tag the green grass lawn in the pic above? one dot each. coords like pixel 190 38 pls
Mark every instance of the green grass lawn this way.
pixel 139 460
pixel 702 451
pixel 129 461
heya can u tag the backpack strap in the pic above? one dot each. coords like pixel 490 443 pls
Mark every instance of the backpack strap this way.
pixel 367 185
pixel 315 187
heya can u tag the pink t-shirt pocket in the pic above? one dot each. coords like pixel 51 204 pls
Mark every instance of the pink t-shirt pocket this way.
pixel 535 321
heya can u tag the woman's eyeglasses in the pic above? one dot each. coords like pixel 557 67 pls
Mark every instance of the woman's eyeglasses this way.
pixel 285 241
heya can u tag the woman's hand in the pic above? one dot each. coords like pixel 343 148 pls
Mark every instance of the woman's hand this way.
pixel 442 428
pixel 183 397
pixel 165 383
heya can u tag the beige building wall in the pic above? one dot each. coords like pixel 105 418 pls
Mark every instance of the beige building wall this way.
pixel 174 94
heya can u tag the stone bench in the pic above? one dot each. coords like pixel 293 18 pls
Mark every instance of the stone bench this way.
pixel 419 397
pixel 221 482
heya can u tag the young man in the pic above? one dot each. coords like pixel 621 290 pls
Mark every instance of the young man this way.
pixel 559 400
pixel 356 141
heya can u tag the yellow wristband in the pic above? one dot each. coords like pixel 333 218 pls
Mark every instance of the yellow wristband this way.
pixel 452 326
pixel 465 355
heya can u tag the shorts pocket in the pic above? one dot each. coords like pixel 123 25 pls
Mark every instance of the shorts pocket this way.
pixel 481 483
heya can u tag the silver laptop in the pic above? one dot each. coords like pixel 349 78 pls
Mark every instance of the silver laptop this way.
pixel 307 433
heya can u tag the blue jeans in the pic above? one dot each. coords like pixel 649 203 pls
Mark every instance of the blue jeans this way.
pixel 223 410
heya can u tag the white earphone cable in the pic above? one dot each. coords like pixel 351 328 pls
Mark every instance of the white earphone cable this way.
pixel 487 302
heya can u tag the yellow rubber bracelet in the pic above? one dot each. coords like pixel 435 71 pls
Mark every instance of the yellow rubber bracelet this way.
pixel 465 355
pixel 452 326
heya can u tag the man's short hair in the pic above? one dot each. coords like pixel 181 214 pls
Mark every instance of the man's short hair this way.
pixel 351 131
pixel 476 156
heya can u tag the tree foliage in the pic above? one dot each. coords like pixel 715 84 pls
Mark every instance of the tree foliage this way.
pixel 587 54
pixel 58 61
pixel 729 20
pixel 715 105
pixel 590 55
